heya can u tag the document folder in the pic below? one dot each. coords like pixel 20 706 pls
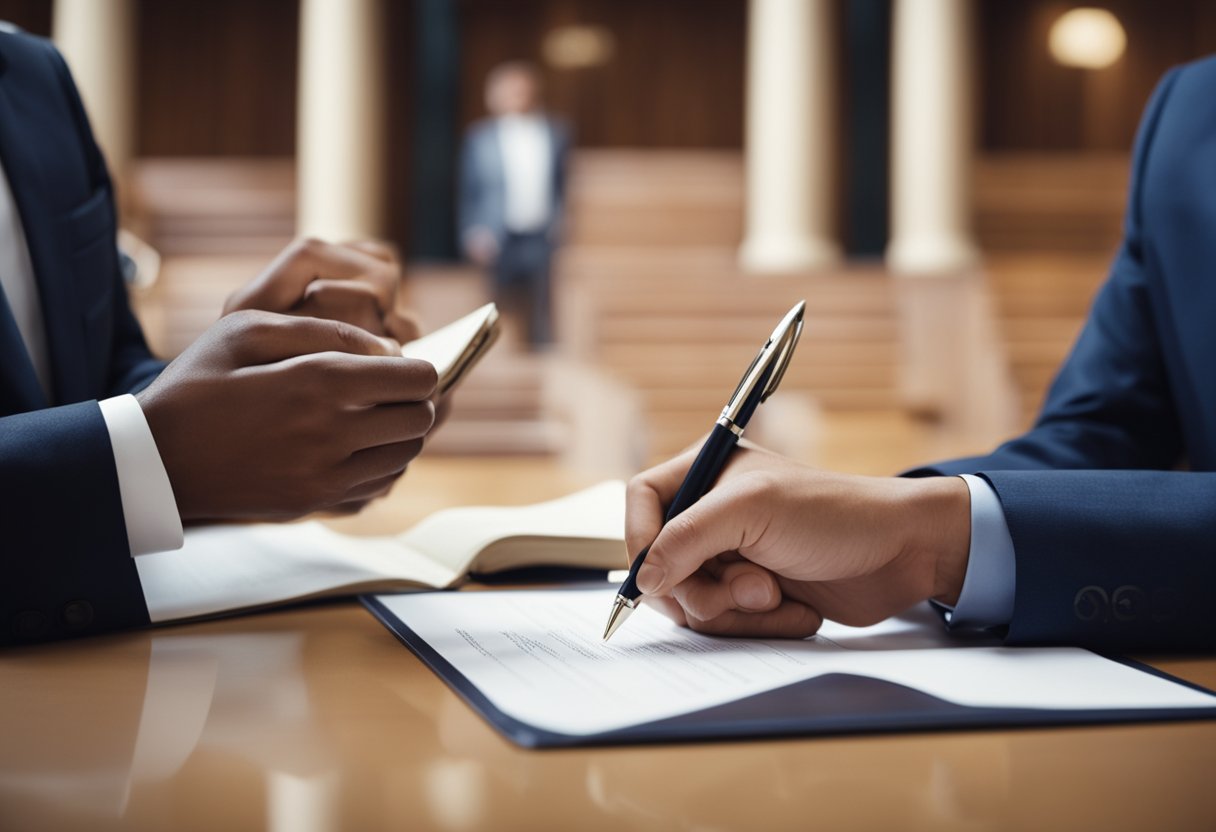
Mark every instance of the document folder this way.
pixel 830 704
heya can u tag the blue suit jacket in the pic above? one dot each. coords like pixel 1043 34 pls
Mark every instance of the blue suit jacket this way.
pixel 64 557
pixel 1115 546
pixel 483 186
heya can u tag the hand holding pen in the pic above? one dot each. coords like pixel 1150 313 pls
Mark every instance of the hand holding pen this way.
pixel 758 383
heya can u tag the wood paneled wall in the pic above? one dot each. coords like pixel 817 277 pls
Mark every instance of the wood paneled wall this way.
pixel 216 77
pixel 675 80
pixel 31 15
pixel 1028 102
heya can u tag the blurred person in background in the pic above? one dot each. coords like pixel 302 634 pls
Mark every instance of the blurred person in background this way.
pixel 296 400
pixel 512 188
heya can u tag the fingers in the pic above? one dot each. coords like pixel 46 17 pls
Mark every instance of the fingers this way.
pixel 263 338
pixel 646 497
pixel 351 301
pixel 740 586
pixel 371 464
pixel 727 519
pixel 285 281
pixel 790 619
pixel 387 424
pixel 357 382
pixel 443 409
pixel 403 328
pixel 376 248
pixel 737 599
pixel 669 608
pixel 361 494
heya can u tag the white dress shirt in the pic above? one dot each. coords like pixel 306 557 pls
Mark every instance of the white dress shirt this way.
pixel 988 588
pixel 148 506
pixel 20 290
pixel 527 171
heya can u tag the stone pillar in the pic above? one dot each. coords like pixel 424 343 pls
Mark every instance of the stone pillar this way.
pixel 96 38
pixel 339 134
pixel 931 139
pixel 790 124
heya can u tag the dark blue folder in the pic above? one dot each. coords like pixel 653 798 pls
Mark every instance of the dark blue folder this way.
pixel 830 704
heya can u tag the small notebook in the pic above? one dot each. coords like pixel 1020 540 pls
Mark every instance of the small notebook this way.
pixel 224 569
pixel 455 348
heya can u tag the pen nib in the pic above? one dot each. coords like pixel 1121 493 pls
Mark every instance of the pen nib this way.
pixel 621 610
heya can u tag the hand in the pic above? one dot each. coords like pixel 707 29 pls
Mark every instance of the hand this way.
pixel 352 282
pixel 274 416
pixel 481 245
pixel 776 547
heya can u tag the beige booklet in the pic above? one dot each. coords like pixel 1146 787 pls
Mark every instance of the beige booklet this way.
pixel 455 348
pixel 223 569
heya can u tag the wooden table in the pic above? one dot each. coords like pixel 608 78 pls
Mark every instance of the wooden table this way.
pixel 316 718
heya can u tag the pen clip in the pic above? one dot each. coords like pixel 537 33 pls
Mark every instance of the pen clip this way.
pixel 769 365
pixel 789 331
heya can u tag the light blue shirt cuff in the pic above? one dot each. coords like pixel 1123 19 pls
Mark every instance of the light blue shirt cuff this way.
pixel 988 588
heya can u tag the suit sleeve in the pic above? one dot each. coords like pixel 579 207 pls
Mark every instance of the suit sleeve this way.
pixel 64 558
pixel 1113 550
pixel 66 566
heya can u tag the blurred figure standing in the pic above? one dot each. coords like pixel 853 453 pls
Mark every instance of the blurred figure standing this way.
pixel 512 184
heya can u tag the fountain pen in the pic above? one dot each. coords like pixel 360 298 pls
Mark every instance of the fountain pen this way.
pixel 758 383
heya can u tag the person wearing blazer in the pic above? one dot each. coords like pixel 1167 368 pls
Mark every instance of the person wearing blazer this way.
pixel 1097 527
pixel 104 450
pixel 512 194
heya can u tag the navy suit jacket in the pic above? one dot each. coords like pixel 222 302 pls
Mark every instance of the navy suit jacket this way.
pixel 483 185
pixel 65 567
pixel 1115 545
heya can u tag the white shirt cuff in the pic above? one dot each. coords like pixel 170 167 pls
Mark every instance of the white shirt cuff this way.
pixel 148 505
pixel 988 588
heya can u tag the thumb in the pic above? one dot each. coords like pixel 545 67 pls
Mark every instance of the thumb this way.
pixel 721 521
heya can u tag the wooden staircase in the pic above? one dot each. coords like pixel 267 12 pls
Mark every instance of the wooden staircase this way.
pixel 650 291
pixel 1050 225
pixel 220 207
pixel 1042 301
pixel 1062 202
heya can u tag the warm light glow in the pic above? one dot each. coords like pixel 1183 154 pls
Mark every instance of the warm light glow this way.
pixel 1087 38
pixel 578 47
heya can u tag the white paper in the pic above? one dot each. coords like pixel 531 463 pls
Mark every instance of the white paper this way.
pixel 538 657
pixel 223 568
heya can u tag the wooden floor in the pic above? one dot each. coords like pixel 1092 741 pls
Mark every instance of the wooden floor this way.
pixel 656 321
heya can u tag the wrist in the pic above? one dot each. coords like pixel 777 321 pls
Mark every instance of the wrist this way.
pixel 940 533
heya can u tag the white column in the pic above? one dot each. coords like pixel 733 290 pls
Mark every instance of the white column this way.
pixel 95 37
pixel 931 139
pixel 339 135
pixel 790 124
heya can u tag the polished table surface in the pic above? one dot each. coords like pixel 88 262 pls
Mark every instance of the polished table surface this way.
pixel 316 718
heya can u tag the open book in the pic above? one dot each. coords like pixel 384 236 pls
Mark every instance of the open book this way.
pixel 223 569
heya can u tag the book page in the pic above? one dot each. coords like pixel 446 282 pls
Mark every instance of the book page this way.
pixel 538 657
pixel 454 536
pixel 224 568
